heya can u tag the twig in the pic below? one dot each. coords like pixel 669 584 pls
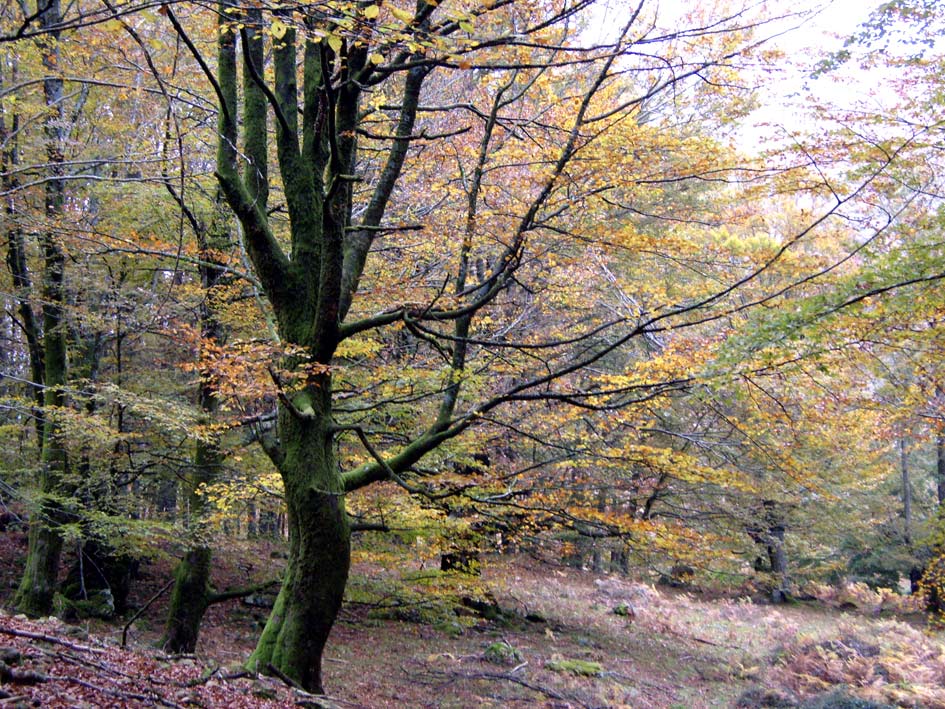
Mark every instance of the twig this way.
pixel 117 693
pixel 700 640
pixel 49 639
pixel 240 592
pixel 124 631
pixel 276 672
pixel 15 676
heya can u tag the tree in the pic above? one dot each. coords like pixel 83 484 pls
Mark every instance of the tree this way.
pixel 35 593
pixel 356 92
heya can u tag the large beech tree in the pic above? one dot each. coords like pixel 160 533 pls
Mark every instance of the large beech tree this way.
pixel 49 366
pixel 347 95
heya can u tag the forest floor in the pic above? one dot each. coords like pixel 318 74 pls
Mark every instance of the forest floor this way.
pixel 565 638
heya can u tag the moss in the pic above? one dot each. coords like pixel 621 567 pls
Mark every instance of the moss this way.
pixel 452 628
pixel 582 668
pixel 99 604
pixel 501 653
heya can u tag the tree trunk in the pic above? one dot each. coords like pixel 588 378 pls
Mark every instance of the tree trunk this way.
pixel 37 587
pixel 777 557
pixel 189 601
pixel 940 470
pixel 319 546
pixel 906 494
pixel 190 598
pixel 777 553
pixel 34 597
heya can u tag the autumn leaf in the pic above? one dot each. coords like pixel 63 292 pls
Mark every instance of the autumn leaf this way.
pixel 278 29
pixel 402 15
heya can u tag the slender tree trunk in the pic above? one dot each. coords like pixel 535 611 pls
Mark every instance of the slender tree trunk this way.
pixel 191 595
pixel 940 469
pixel 906 494
pixel 777 553
pixel 16 254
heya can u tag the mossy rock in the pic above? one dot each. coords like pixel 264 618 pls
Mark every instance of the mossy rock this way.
pixel 99 604
pixel 501 653
pixel 423 614
pixel 453 628
pixel 581 668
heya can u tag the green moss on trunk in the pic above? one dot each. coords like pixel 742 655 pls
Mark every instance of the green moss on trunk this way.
pixel 34 597
pixel 319 549
pixel 189 602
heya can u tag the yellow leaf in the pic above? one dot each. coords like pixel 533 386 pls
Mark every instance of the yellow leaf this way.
pixel 371 11
pixel 278 29
pixel 334 41
pixel 402 15
pixel 376 58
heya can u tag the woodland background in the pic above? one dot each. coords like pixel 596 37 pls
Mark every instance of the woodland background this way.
pixel 425 286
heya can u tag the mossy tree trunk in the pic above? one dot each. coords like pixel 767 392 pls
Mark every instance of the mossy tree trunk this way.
pixel 189 601
pixel 38 584
pixel 319 548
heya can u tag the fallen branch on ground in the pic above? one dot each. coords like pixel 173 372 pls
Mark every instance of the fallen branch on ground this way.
pixel 49 639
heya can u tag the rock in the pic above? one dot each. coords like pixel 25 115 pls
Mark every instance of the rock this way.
pixel 625 610
pixel 501 653
pixel 679 575
pixel 451 627
pixel 99 604
pixel 464 561
pixel 260 600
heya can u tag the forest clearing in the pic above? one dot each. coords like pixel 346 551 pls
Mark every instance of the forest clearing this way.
pixel 568 638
